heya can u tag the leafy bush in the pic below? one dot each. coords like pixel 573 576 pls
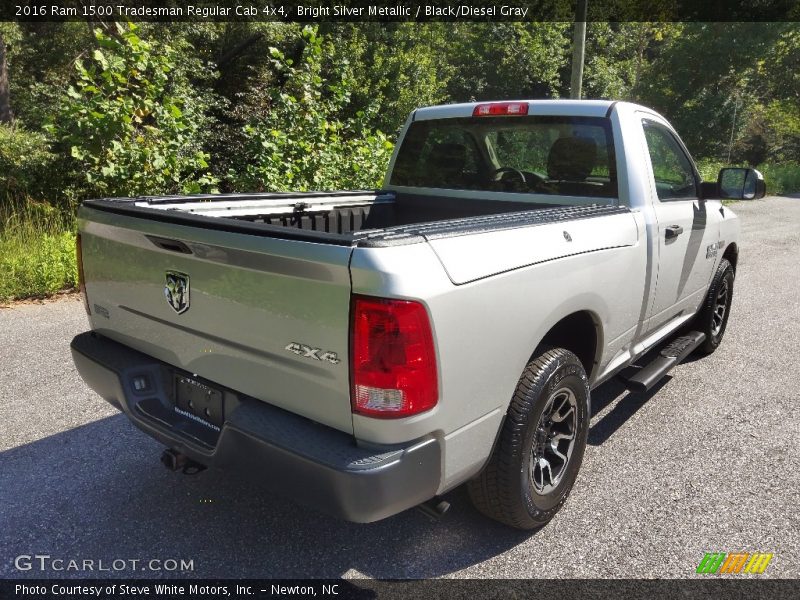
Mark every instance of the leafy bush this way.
pixel 303 142
pixel 781 178
pixel 709 168
pixel 132 122
pixel 37 251
pixel 26 163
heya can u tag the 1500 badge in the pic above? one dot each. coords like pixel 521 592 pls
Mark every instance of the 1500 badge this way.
pixel 315 353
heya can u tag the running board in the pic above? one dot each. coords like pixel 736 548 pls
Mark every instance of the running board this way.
pixel 670 356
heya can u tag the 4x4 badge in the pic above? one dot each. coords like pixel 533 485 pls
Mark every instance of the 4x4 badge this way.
pixel 316 353
pixel 176 291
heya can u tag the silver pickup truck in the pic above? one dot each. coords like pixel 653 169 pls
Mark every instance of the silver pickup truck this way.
pixel 367 351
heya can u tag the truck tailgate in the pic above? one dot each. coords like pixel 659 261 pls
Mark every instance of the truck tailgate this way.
pixel 266 317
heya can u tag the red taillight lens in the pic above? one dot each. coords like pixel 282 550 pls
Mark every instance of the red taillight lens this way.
pixel 393 361
pixel 499 109
pixel 81 278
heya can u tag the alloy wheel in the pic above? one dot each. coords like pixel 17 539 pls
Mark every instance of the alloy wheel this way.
pixel 553 441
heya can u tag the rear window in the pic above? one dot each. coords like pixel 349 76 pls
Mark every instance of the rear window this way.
pixel 567 156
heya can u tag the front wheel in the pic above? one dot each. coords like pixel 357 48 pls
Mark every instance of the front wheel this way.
pixel 713 317
pixel 541 444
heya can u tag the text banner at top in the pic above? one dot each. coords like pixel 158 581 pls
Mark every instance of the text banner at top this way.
pixel 359 10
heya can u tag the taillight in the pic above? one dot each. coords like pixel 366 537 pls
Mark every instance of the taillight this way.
pixel 392 359
pixel 500 109
pixel 81 278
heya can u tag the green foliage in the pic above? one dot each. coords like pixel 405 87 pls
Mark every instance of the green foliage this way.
pixel 781 178
pixel 37 251
pixel 41 59
pixel 618 57
pixel 303 142
pixel 237 54
pixel 26 163
pixel 496 61
pixel 709 169
pixel 131 121
pixel 768 132
pixel 704 73
pixel 404 70
pixel 175 107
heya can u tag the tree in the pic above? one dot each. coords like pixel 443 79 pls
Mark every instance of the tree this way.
pixel 132 121
pixel 496 61
pixel 405 69
pixel 697 76
pixel 42 57
pixel 6 116
pixel 305 140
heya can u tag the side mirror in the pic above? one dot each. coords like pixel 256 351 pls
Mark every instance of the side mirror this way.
pixel 740 184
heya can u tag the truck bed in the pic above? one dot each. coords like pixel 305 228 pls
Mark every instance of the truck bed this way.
pixel 345 218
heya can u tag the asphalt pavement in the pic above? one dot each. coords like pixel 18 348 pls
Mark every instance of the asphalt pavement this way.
pixel 707 462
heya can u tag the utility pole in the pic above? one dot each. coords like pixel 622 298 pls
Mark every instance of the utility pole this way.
pixel 733 126
pixel 578 49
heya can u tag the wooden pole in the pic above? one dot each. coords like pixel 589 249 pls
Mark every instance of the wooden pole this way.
pixel 6 116
pixel 578 50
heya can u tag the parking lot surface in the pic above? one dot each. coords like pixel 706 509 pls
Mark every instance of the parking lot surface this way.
pixel 709 461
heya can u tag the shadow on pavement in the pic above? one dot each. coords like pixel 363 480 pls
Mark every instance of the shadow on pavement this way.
pixel 99 492
pixel 628 403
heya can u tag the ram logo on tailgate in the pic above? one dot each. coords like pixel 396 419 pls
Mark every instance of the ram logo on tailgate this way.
pixel 176 291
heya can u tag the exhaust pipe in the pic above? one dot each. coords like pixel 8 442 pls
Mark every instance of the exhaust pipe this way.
pixel 435 508
pixel 175 461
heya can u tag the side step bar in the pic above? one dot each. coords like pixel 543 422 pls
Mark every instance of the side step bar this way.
pixel 670 356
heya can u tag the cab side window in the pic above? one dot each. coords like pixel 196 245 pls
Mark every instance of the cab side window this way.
pixel 673 172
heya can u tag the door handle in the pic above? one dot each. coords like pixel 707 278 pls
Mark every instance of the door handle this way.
pixel 673 231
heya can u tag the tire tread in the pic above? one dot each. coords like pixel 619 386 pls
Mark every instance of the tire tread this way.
pixel 493 492
pixel 703 321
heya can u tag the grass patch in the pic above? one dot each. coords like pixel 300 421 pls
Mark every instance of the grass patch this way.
pixel 37 251
pixel 781 178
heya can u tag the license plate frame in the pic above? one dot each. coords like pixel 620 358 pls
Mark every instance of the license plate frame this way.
pixel 202 401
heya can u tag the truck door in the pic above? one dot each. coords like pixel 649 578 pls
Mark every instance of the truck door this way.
pixel 685 227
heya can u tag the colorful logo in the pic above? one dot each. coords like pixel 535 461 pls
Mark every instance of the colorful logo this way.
pixel 734 562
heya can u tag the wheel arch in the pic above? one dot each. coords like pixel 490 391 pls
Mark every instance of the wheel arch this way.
pixel 731 254
pixel 581 333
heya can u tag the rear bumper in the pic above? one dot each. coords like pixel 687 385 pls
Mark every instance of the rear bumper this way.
pixel 312 463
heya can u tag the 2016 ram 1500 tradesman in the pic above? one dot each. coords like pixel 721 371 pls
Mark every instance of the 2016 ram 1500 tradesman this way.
pixel 367 351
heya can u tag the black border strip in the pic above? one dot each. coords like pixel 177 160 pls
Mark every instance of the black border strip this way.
pixel 733 587
pixel 311 11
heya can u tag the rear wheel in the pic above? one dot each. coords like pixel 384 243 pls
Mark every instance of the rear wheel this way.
pixel 713 318
pixel 541 444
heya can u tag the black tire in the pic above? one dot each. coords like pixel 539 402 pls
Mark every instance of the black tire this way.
pixel 508 489
pixel 709 320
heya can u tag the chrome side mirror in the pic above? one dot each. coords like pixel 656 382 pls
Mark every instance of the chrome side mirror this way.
pixel 736 183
